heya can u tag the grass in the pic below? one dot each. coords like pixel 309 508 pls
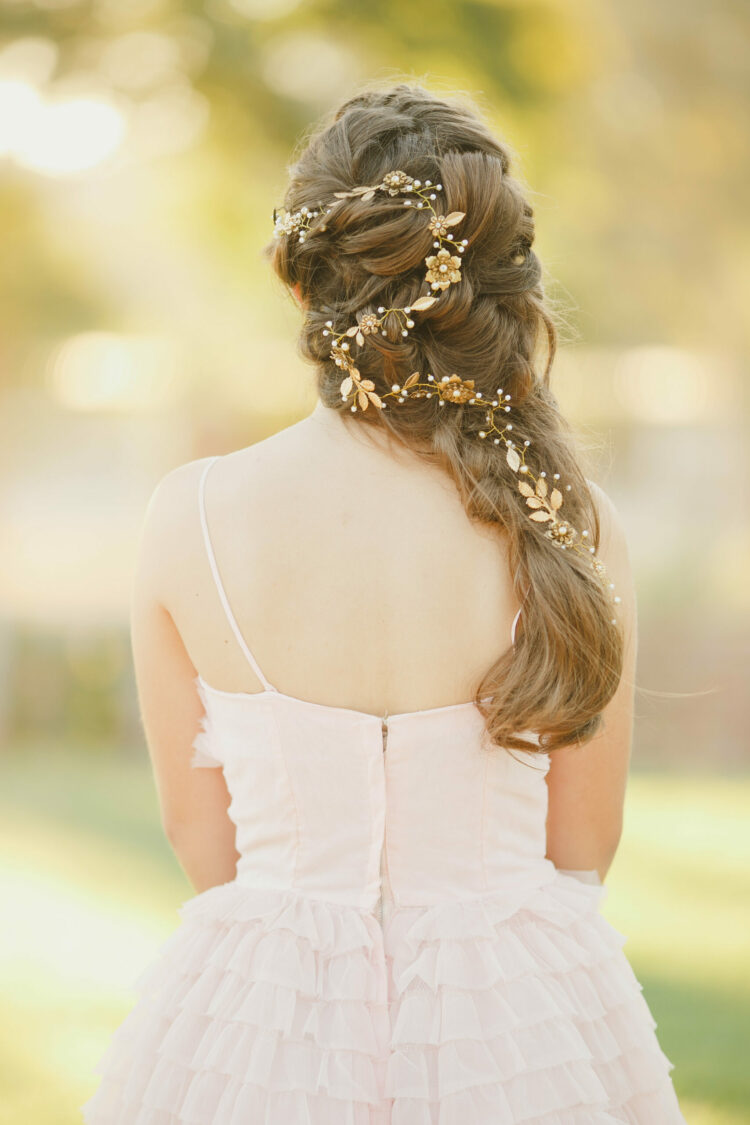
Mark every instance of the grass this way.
pixel 91 890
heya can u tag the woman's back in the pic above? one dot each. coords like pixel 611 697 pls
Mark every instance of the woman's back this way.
pixel 352 570
pixel 387 931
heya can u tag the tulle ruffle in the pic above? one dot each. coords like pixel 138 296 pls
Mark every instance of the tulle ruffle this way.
pixel 263 1006
pixel 532 1014
pixel 276 1008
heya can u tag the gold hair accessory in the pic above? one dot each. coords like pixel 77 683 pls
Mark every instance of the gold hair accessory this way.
pixel 443 270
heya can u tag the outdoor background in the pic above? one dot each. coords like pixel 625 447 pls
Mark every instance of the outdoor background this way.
pixel 143 146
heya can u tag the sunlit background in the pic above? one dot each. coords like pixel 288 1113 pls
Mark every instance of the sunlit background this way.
pixel 143 146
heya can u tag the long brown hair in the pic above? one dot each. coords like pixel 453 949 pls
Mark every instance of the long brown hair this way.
pixel 494 327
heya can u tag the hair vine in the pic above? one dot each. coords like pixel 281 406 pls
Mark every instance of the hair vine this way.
pixel 443 269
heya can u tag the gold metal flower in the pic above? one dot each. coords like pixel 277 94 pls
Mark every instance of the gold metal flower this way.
pixel 455 389
pixel 369 323
pixel 443 269
pixel 394 182
pixel 562 533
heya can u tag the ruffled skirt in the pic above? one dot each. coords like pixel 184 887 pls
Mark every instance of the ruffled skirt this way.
pixel 276 1008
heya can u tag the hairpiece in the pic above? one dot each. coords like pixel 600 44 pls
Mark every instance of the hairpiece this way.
pixel 443 270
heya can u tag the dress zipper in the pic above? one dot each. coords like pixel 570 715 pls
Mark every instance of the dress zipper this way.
pixel 384 882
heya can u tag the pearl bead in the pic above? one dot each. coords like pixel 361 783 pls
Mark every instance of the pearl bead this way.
pixel 524 469
pixel 509 426
pixel 444 379
pixel 617 598
pixel 591 550
pixel 527 442
pixel 395 388
pixel 568 487
pixel 479 394
pixel 433 196
pixel 585 534
pixel 556 476
pixel 440 187
pixel 353 409
pixel 497 441
pixel 407 310
pixel 410 324
pixel 482 433
pixel 381 308
pixel 417 183
pixel 428 183
pixel 326 332
pixel 542 474
pixel 407 203
pixel 614 621
pixel 436 244
pixel 329 324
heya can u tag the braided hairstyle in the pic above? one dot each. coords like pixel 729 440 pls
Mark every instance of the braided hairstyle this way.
pixel 493 327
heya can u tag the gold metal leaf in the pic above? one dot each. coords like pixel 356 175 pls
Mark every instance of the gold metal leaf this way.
pixel 541 487
pixel 355 191
pixel 540 516
pixel 354 371
pixel 423 303
pixel 555 498
pixel 375 399
pixel 534 502
pixel 360 339
pixel 346 387
pixel 368 195
pixel 513 460
pixel 352 331
pixel 362 399
pixel 525 488
pixel 413 378
pixel 453 218
pixel 367 385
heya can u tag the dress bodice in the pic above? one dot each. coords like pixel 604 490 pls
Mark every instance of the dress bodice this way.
pixel 340 804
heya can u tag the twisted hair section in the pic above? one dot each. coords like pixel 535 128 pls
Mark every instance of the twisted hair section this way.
pixel 493 327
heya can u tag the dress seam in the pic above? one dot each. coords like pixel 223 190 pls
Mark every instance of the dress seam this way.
pixel 483 826
pixel 295 804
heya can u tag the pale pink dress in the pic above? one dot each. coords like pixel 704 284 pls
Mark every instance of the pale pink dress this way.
pixel 395 948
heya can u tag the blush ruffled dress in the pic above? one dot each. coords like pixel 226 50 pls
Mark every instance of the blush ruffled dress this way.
pixel 395 948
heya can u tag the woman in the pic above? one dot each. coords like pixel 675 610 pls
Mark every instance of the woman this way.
pixel 406 630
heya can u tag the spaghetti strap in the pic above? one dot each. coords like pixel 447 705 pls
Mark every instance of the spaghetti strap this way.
pixel 513 627
pixel 219 584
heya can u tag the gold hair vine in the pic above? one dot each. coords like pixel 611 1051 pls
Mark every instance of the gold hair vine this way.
pixel 443 270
